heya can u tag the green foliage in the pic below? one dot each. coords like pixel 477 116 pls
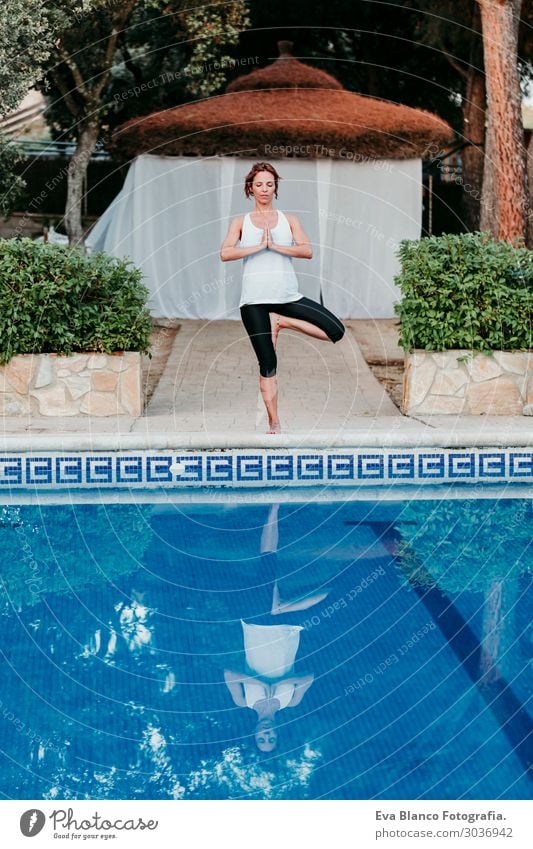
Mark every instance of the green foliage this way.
pixel 465 291
pixel 54 299
pixel 25 44
pixel 12 185
pixel 63 550
pixel 211 28
pixel 29 30
pixel 165 54
pixel 465 545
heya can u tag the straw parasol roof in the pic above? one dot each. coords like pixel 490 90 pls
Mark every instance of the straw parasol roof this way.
pixel 286 109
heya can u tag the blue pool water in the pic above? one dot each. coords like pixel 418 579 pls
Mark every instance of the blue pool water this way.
pixel 404 663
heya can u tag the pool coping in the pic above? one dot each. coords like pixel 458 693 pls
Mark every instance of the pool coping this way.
pixel 173 499
pixel 379 432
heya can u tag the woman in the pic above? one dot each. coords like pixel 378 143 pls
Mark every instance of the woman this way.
pixel 268 240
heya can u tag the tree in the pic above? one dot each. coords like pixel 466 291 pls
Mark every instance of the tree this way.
pixel 454 30
pixel 504 200
pixel 12 185
pixel 29 31
pixel 26 40
pixel 424 53
pixel 80 68
pixel 211 28
pixel 104 45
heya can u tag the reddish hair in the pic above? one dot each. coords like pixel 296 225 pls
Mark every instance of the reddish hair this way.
pixel 255 169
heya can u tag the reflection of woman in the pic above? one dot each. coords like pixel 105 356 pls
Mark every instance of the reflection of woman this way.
pixel 269 684
pixel 268 240
pixel 270 653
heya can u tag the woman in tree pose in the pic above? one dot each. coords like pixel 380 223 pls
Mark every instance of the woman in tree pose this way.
pixel 267 239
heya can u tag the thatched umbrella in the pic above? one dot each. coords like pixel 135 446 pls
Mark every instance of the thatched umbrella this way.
pixel 288 108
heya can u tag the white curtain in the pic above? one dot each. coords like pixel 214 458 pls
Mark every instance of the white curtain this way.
pixel 173 212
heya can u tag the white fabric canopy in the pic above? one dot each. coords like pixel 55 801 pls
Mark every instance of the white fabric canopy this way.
pixel 173 213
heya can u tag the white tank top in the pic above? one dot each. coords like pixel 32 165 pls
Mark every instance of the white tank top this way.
pixel 256 691
pixel 268 276
pixel 271 649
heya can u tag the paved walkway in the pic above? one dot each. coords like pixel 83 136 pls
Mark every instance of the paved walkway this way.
pixel 211 382
pixel 208 397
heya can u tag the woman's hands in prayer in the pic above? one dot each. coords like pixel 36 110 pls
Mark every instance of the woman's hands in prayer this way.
pixel 267 241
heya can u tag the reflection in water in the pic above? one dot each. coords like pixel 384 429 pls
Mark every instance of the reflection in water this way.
pixel 73 552
pixel 270 652
pixel 141 646
pixel 269 684
pixel 454 551
pixel 477 547
pixel 129 629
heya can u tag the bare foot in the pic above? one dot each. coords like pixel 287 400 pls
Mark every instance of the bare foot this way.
pixel 275 326
pixel 274 427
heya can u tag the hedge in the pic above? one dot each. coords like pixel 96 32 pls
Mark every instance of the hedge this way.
pixel 55 300
pixel 465 291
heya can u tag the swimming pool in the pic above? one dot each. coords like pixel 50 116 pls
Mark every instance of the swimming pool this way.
pixel 406 638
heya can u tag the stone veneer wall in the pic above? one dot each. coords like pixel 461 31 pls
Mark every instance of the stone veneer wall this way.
pixel 497 385
pixel 81 384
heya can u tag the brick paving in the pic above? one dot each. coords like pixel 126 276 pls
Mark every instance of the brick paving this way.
pixel 211 382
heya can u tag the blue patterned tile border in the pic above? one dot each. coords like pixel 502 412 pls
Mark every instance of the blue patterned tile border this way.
pixel 262 467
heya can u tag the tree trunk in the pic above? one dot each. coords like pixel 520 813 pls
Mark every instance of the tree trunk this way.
pixel 499 20
pixel 474 116
pixel 473 154
pixel 88 127
pixel 530 191
pixel 373 84
pixel 77 172
pixel 489 202
pixel 498 614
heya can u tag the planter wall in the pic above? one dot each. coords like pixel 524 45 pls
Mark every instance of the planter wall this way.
pixel 81 384
pixel 497 385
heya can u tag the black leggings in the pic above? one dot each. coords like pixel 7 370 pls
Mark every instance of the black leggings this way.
pixel 256 320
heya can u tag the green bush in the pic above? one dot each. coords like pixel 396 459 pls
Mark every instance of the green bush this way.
pixel 55 300
pixel 465 291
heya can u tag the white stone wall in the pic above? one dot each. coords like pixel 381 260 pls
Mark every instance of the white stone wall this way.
pixel 457 382
pixel 82 384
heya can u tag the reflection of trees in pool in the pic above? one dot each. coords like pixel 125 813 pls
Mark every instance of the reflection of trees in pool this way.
pixel 233 772
pixel 118 729
pixel 474 546
pixel 160 765
pixel 240 773
pixel 61 549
